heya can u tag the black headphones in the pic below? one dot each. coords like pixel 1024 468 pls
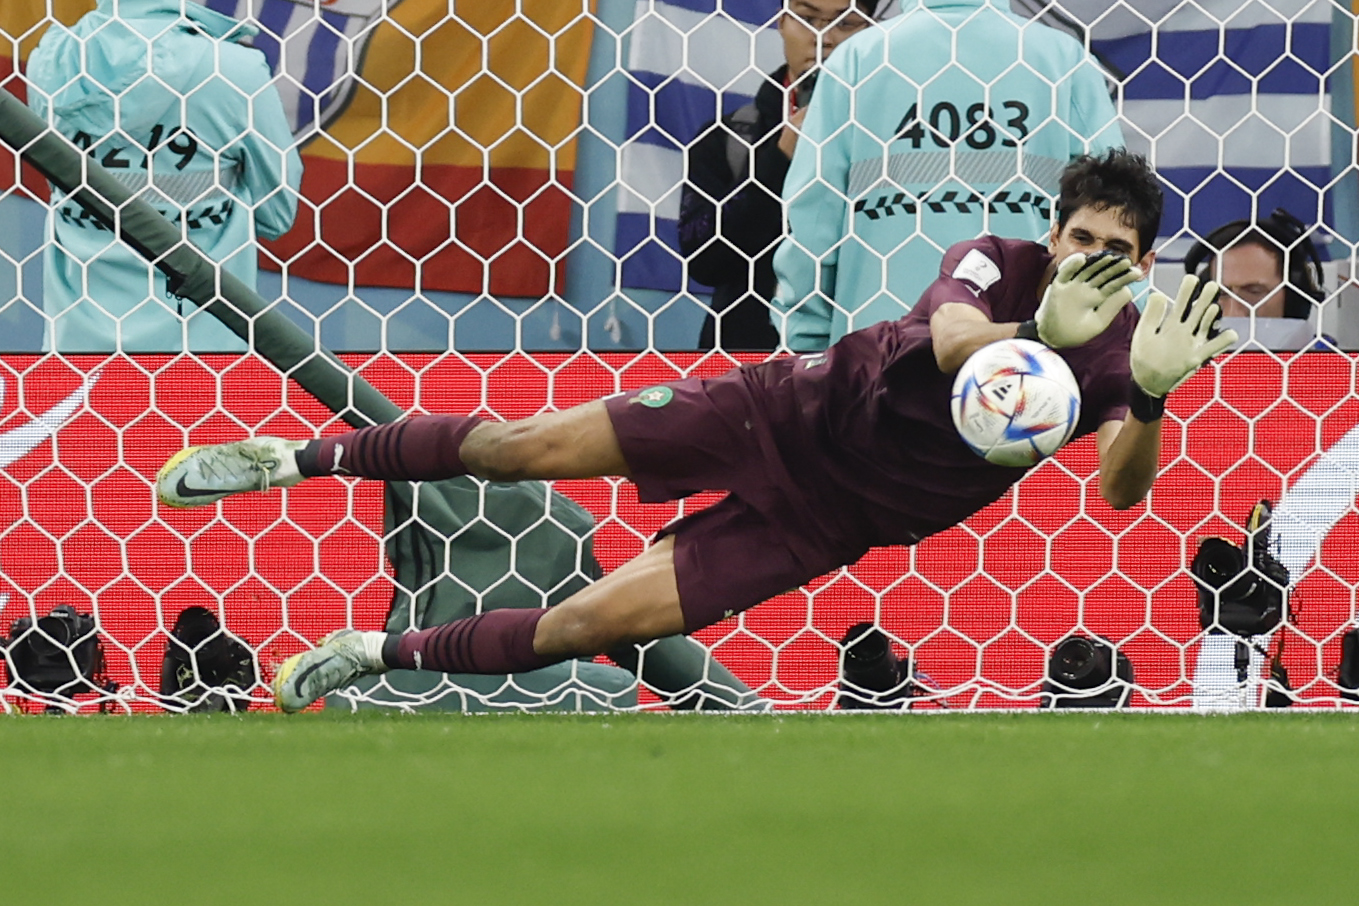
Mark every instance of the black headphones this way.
pixel 1286 235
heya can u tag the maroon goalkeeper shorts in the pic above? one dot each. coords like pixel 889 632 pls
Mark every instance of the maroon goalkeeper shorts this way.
pixel 761 540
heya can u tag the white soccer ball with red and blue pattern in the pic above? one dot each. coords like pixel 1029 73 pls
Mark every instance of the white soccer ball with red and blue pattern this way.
pixel 1015 402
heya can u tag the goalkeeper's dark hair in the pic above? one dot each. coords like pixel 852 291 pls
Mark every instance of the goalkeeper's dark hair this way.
pixel 1116 179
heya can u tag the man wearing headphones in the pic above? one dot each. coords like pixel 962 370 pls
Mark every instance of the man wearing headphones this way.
pixel 1250 262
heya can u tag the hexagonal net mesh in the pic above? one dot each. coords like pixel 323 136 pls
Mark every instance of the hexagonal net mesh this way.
pixel 499 209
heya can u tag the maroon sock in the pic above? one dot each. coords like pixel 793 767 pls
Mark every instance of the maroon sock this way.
pixel 499 641
pixel 424 448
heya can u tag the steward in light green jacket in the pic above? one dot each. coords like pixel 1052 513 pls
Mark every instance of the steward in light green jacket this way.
pixel 950 121
pixel 162 94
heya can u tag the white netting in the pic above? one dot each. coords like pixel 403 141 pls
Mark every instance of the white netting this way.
pixel 488 224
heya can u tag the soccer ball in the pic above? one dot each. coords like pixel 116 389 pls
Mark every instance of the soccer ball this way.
pixel 1015 402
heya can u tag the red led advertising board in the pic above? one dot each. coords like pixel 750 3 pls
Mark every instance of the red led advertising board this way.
pixel 979 606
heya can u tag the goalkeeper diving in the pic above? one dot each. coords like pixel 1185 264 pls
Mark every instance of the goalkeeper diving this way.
pixel 823 456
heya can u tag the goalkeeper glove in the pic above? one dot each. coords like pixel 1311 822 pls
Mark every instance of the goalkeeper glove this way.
pixel 1169 346
pixel 1084 297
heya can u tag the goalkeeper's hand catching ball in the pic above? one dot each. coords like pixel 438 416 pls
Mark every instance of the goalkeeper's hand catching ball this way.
pixel 1084 297
pixel 1173 339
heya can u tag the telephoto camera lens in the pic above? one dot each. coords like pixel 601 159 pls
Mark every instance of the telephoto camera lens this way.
pixel 1078 664
pixel 870 668
pixel 1087 672
pixel 1217 562
pixel 1235 596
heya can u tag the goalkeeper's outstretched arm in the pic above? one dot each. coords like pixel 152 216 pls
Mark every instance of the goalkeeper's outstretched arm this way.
pixel 1129 454
pixel 1172 341
pixel 958 330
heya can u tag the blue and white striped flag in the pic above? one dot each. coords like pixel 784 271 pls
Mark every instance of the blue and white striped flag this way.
pixel 1229 99
pixel 690 62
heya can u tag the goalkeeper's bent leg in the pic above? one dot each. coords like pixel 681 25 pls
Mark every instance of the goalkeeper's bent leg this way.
pixel 637 602
pixel 499 641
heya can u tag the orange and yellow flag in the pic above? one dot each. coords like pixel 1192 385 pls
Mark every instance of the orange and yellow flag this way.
pixel 447 162
pixel 438 136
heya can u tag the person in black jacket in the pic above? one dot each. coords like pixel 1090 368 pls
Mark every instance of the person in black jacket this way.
pixel 731 219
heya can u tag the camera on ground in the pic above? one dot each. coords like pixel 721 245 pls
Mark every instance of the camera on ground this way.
pixel 1241 590
pixel 59 656
pixel 872 676
pixel 1087 672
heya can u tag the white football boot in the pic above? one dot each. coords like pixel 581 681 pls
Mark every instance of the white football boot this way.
pixel 339 659
pixel 202 475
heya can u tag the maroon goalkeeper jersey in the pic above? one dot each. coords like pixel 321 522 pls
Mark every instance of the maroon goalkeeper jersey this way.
pixel 865 429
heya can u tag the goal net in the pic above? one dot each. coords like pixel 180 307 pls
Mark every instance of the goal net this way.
pixel 488 222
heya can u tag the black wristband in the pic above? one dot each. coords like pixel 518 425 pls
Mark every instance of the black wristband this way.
pixel 1145 407
pixel 1028 330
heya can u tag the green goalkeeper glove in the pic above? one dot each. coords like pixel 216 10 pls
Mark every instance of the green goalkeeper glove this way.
pixel 1084 297
pixel 1167 350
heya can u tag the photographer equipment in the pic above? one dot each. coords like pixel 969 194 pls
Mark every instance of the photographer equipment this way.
pixel 201 657
pixel 1241 591
pixel 872 677
pixel 1280 693
pixel 61 656
pixel 1087 672
pixel 1244 592
pixel 1347 673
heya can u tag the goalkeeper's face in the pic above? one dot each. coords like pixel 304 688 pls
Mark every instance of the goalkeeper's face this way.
pixel 1090 230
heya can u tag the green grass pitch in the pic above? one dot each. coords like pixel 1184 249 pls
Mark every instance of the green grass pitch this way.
pixel 679 809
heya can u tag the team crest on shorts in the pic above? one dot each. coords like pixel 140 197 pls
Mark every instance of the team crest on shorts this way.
pixel 654 397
